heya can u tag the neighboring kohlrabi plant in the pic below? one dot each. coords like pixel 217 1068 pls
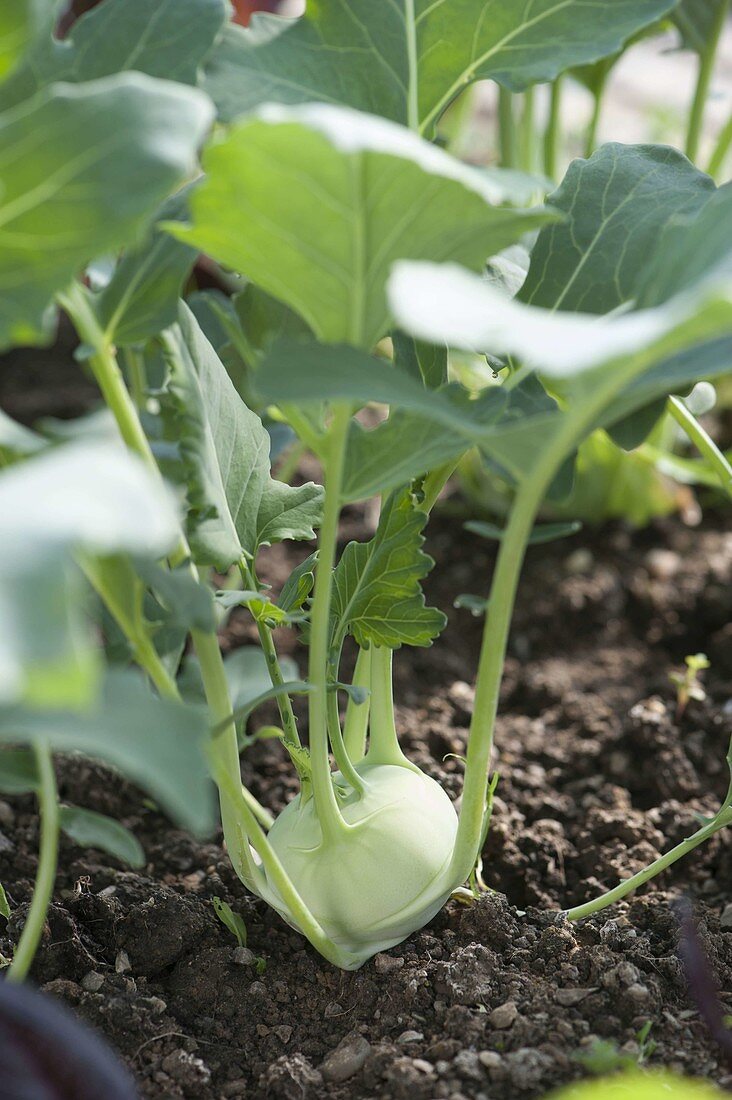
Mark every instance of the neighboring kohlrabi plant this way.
pixel 350 252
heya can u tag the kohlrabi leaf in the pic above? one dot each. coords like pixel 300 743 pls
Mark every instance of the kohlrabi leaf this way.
pixel 141 299
pixel 298 585
pixel 368 193
pixel 89 829
pixel 100 159
pixel 377 595
pixel 169 41
pixel 156 743
pixel 573 350
pixel 187 602
pixel 617 205
pixel 691 250
pixel 46 1050
pixel 696 20
pixel 425 362
pixel 20 20
pixel 409 59
pixel 18 771
pixel 235 506
pixel 93 498
pixel 641 1085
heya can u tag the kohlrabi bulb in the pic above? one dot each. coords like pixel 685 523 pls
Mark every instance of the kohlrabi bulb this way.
pixel 384 876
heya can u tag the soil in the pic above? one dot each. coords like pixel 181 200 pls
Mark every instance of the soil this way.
pixel 501 998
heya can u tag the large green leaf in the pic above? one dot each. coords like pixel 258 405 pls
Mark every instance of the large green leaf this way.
pixel 235 505
pixel 155 742
pixel 141 299
pixel 691 250
pixel 93 498
pixel 169 39
pixel 376 591
pixel 314 204
pixel 81 171
pixel 573 350
pixel 92 830
pixel 408 59
pixel 696 20
pixel 617 205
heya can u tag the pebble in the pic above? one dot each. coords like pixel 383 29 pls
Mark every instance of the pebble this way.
pixel 283 1033
pixel 332 1009
pixel 244 957
pixel 491 1059
pixel 422 1065
pixel 92 982
pixel 663 564
pixel 347 1058
pixel 567 998
pixel 503 1016
pixel 387 964
pixel 726 918
pixel 410 1037
pixel 7 814
pixel 122 963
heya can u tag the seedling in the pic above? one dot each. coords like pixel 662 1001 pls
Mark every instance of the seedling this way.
pixel 358 247
pixel 687 683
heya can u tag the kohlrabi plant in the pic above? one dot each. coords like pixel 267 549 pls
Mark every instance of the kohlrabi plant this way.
pixel 351 253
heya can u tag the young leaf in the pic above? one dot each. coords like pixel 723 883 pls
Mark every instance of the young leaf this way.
pixel 235 506
pixel 262 608
pixel 325 247
pixel 92 830
pixel 233 921
pixel 123 35
pixel 154 742
pixel 376 591
pixel 102 157
pixel 617 205
pixel 409 59
pixel 141 299
pixel 4 904
pixel 298 585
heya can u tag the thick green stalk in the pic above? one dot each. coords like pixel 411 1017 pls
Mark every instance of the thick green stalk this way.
pixel 595 117
pixel 702 441
pixel 527 133
pixel 552 136
pixel 355 727
pixel 707 61
pixel 721 150
pixel 137 376
pixel 384 747
pixel 570 430
pixel 334 459
pixel 721 821
pixel 47 860
pixel 342 759
pixel 506 128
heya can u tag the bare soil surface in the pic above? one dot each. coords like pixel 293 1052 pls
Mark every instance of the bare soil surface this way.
pixel 502 998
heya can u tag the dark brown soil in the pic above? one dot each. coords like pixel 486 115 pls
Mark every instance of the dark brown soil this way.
pixel 501 998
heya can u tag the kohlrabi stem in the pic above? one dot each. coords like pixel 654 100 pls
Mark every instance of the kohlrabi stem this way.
pixel 707 60
pixel 594 125
pixel 532 489
pixel 284 703
pixel 721 150
pixel 104 365
pixel 137 376
pixel 47 860
pixel 721 821
pixel 384 747
pixel 702 441
pixel 356 725
pixel 338 746
pixel 334 450
pixel 506 128
pixel 527 132
pixel 553 130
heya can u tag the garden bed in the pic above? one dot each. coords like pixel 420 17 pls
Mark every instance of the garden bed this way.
pixel 500 997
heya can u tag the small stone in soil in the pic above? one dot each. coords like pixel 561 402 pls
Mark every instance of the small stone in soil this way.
pixel 347 1058
pixel 726 918
pixel 410 1037
pixel 244 957
pixel 92 982
pixel 503 1016
pixel 387 964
